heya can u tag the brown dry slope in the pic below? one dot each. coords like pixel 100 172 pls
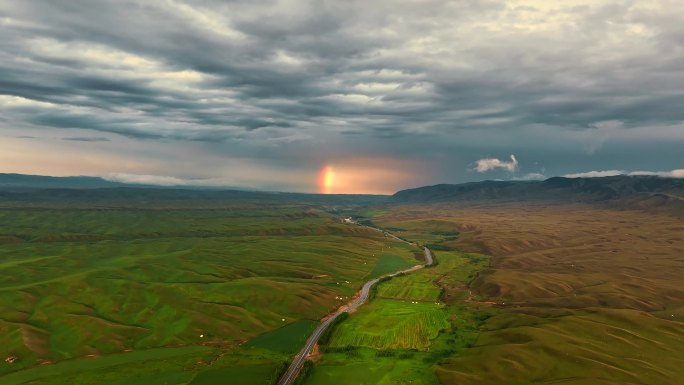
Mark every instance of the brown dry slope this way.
pixel 588 295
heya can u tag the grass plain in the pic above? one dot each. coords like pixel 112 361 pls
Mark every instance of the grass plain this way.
pixel 389 263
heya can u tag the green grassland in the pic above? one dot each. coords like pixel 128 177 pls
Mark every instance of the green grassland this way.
pixel 365 366
pixel 237 375
pixel 97 291
pixel 389 263
pixel 66 371
pixel 288 339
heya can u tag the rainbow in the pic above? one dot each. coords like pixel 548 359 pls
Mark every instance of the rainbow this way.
pixel 326 180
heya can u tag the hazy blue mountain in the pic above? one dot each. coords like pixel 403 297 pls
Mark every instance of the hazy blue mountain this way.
pixel 567 189
pixel 19 187
pixel 39 181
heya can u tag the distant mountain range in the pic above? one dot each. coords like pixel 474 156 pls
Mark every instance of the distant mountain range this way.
pixel 621 192
pixel 24 181
pixel 630 191
pixel 39 181
pixel 26 188
pixel 569 189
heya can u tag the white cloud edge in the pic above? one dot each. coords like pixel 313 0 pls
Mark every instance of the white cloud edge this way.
pixel 531 176
pixel 678 173
pixel 490 164
pixel 157 180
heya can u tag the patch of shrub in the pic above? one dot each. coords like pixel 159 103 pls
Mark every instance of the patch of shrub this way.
pixel 395 229
pixel 385 353
pixel 304 373
pixel 278 372
pixel 439 247
pixel 482 315
pixel 325 337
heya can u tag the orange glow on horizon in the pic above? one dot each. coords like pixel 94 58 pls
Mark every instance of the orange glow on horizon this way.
pixel 369 176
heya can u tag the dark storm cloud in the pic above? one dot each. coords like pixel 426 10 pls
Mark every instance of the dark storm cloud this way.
pixel 86 139
pixel 401 78
pixel 59 120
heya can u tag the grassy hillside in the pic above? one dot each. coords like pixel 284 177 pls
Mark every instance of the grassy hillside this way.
pixel 584 294
pixel 100 292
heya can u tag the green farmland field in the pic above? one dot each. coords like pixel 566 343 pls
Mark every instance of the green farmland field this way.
pixel 391 324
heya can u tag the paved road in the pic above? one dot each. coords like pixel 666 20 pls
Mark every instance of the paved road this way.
pixel 297 363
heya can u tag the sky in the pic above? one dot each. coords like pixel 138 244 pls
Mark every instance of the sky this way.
pixel 341 96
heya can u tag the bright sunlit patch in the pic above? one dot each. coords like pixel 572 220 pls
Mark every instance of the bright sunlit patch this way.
pixel 326 180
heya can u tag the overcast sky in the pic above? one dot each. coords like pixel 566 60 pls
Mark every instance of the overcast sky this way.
pixel 386 94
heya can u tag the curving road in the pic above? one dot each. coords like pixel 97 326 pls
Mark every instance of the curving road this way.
pixel 298 361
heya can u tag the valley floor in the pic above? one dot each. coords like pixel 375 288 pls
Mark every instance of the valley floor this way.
pixel 201 292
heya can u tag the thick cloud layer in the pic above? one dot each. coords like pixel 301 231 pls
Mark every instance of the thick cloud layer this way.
pixel 264 94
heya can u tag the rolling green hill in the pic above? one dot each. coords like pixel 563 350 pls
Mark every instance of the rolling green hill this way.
pixel 104 290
